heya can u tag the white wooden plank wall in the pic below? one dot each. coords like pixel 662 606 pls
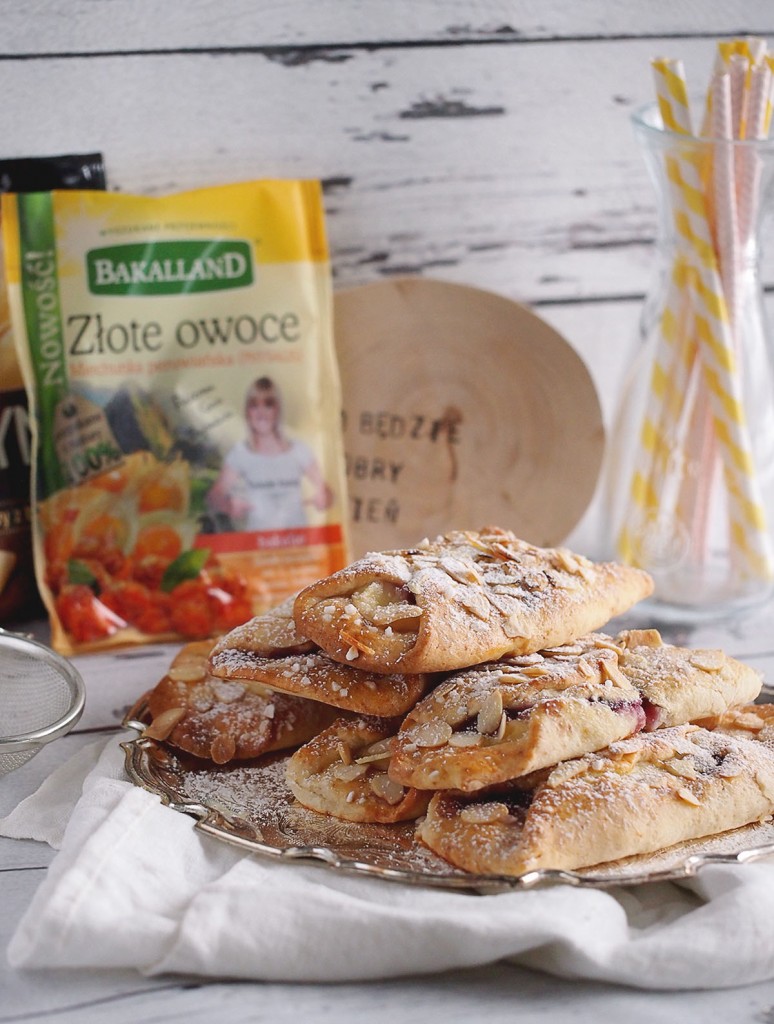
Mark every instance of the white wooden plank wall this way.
pixel 481 142
pixel 486 143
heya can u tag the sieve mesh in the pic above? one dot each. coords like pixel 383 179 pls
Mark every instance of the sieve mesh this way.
pixel 41 698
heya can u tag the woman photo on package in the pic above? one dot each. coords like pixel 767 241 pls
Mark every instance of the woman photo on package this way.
pixel 261 485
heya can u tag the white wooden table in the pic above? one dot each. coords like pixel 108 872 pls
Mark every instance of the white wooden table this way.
pixel 480 141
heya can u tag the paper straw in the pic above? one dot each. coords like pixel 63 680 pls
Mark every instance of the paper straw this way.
pixel 700 446
pixel 770 99
pixel 722 57
pixel 748 189
pixel 669 373
pixel 738 66
pixel 670 364
pixel 748 522
pixel 724 190
pixel 754 48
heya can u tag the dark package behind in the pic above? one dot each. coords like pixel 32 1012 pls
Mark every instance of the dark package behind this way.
pixel 18 591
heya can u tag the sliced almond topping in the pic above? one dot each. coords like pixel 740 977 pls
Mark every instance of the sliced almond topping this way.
pixel 567 649
pixel 534 671
pixel 708 661
pixel 383 755
pixel 379 747
pixel 608 645
pixel 490 713
pixel 227 692
pixel 431 734
pixel 749 721
pixel 355 641
pixel 586 670
pixel 260 690
pixel 522 660
pixel 688 797
pixel 475 602
pixel 161 727
pixel 501 727
pixel 465 739
pixel 349 772
pixel 567 561
pixel 630 756
pixel 640 638
pixel 513 678
pixel 222 748
pixel 386 789
pixel 345 754
pixel 462 572
pixel 484 814
pixel 496 550
pixel 534 580
pixel 565 771
pixel 610 670
pixel 512 626
pixel 683 767
pixel 192 672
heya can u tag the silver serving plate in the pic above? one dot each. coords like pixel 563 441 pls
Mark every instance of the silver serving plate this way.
pixel 250 806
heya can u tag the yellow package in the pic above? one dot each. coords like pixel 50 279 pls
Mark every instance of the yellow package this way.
pixel 178 357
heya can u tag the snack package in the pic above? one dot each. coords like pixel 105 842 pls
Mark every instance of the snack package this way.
pixel 178 355
pixel 18 592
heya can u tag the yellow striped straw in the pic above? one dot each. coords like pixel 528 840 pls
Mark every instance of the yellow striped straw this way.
pixel 769 100
pixel 748 183
pixel 749 537
pixel 664 406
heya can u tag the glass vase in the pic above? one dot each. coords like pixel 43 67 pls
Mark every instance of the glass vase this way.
pixel 689 479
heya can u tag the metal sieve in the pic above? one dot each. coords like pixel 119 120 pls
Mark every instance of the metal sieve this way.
pixel 41 698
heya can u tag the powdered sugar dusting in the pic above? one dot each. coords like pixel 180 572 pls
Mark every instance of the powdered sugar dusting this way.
pixel 253 802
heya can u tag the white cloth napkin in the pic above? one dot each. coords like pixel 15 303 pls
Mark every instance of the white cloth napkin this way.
pixel 134 885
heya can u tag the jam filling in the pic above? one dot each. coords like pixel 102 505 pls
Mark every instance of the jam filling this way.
pixel 633 708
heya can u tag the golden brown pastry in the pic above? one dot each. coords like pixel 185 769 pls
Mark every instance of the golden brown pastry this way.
pixel 751 721
pixel 343 772
pixel 503 719
pixel 641 795
pixel 223 721
pixel 268 651
pixel 272 634
pixel 506 718
pixel 460 600
pixel 681 684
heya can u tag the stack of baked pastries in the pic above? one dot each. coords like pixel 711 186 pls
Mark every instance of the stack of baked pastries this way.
pixel 465 684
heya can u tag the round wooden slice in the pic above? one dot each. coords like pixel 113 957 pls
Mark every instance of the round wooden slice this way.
pixel 462 409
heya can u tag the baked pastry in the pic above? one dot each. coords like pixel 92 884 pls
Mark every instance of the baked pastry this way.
pixel 223 721
pixel 460 600
pixel 642 794
pixel 272 634
pixel 343 772
pixel 500 720
pixel 269 651
pixel 681 684
pixel 503 719
pixel 751 721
